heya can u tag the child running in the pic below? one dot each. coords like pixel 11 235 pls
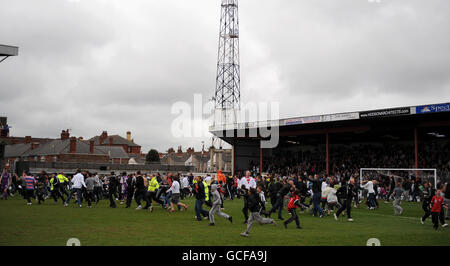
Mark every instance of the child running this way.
pixel 294 202
pixel 260 191
pixel 437 203
pixel 217 201
pixel 254 205
pixel 398 192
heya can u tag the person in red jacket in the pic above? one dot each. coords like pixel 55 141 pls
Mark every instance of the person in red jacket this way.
pixel 437 203
pixel 293 204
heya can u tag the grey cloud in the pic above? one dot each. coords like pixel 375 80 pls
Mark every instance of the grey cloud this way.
pixel 110 65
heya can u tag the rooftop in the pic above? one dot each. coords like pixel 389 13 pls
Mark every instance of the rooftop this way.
pixel 361 115
pixel 117 140
pixel 7 50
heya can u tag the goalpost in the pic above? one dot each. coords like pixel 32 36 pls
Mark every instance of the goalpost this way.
pixel 418 172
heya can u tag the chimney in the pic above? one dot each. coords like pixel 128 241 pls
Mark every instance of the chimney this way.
pixel 91 147
pixel 129 135
pixel 73 145
pixel 27 139
pixel 179 152
pixel 111 141
pixel 34 145
pixel 65 134
pixel 103 136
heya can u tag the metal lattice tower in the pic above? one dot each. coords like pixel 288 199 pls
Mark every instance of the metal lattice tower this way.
pixel 227 95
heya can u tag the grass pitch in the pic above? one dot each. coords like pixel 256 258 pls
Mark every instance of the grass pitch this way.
pixel 52 224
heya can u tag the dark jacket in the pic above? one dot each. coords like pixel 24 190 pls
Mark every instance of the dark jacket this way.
pixel 140 184
pixel 301 186
pixel 274 188
pixel 199 191
pixel 113 183
pixel 350 191
pixel 447 191
pixel 317 185
pixel 284 190
pixel 346 191
pixel 230 181
pixel 428 194
pixel 130 184
pixel 254 203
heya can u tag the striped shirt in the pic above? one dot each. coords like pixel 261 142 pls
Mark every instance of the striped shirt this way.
pixel 30 181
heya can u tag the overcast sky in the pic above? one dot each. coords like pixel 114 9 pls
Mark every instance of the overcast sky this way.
pixel 116 65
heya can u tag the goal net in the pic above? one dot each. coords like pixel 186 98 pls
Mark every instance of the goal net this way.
pixel 384 175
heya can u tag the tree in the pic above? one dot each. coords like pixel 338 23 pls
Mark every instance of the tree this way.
pixel 152 156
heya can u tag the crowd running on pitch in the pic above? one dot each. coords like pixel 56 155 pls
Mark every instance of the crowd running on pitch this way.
pixel 326 194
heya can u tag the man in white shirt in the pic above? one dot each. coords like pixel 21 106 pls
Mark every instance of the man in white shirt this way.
pixel 77 185
pixel 175 200
pixel 185 188
pixel 248 181
pixel 371 196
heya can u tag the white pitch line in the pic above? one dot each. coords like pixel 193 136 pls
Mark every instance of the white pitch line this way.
pixel 404 217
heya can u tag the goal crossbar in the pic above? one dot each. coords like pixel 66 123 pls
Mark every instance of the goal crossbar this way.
pixel 399 169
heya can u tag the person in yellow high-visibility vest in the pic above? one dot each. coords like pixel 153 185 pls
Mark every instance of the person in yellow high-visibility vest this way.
pixel 208 179
pixel 63 181
pixel 152 191
pixel 207 201
pixel 55 189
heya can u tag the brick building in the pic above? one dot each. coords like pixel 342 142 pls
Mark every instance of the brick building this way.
pixel 117 141
pixel 65 149
pixel 203 161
